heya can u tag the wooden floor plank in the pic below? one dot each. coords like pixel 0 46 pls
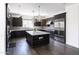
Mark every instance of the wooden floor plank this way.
pixel 53 48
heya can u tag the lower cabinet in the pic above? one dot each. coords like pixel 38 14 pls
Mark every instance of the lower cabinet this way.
pixel 59 36
pixel 37 40
pixel 17 34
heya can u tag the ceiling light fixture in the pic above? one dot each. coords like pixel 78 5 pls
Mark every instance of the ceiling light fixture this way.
pixel 36 17
pixel 39 17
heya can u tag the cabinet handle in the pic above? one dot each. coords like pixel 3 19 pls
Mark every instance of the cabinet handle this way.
pixel 40 38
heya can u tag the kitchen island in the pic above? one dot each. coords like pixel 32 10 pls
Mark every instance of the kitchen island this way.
pixel 37 38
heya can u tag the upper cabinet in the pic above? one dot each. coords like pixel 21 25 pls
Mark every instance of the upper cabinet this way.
pixel 60 21
pixel 16 21
pixel 63 15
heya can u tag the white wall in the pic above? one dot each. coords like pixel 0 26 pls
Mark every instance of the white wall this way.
pixel 72 25
pixel 2 29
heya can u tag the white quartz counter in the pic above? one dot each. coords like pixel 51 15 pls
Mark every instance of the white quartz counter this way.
pixel 33 33
pixel 20 29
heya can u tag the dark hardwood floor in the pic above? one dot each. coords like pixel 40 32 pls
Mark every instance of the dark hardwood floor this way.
pixel 19 46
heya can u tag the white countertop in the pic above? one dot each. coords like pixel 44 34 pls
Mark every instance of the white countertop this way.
pixel 20 29
pixel 37 33
pixel 49 28
pixel 45 28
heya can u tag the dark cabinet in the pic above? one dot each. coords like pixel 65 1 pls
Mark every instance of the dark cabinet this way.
pixel 60 30
pixel 37 24
pixel 16 21
pixel 37 40
pixel 17 34
pixel 59 33
pixel 40 23
pixel 63 15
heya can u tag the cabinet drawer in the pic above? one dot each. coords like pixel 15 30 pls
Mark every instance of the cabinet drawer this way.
pixel 40 40
pixel 41 37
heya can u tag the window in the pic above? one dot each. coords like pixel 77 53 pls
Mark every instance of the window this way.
pixel 27 23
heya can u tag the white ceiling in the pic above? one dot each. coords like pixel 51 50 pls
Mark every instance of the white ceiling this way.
pixel 46 9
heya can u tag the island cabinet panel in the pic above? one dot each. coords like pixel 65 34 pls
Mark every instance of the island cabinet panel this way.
pixel 37 40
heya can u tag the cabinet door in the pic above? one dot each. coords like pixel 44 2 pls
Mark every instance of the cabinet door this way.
pixel 63 15
pixel 16 22
pixel 41 40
